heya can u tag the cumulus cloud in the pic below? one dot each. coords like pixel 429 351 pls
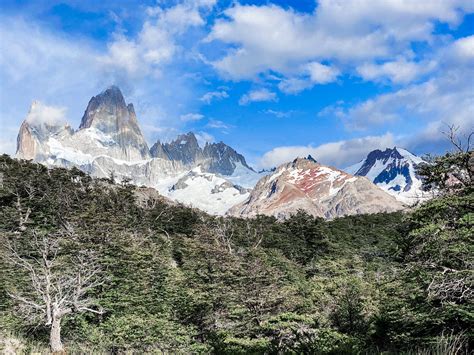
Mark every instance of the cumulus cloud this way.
pixel 191 117
pixel 322 74
pixel 312 74
pixel 258 96
pixel 156 44
pixel 461 51
pixel 270 38
pixel 208 97
pixel 446 98
pixel 400 71
pixel 340 154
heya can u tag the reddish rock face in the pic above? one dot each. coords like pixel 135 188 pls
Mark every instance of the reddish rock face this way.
pixel 320 190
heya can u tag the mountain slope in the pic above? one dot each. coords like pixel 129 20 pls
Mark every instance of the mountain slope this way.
pixel 393 170
pixel 319 190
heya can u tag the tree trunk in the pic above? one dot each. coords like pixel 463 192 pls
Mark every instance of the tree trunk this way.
pixel 55 336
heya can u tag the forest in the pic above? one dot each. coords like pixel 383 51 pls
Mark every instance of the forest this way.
pixel 94 266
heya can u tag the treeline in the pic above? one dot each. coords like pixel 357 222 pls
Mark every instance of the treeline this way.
pixel 167 278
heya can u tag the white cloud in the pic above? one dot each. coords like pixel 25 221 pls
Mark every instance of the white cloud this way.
pixel 217 124
pixel 322 74
pixel 448 97
pixel 156 44
pixel 340 154
pixel 42 114
pixel 400 71
pixel 269 38
pixel 462 50
pixel 294 85
pixel 258 96
pixel 214 95
pixel 272 38
pixel 313 73
pixel 191 117
pixel 279 114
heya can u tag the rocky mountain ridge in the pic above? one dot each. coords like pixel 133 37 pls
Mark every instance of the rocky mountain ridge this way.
pixel 320 190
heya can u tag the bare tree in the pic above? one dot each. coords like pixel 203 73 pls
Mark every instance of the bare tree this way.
pixel 460 145
pixel 223 232
pixel 463 174
pixel 58 284
pixel 253 232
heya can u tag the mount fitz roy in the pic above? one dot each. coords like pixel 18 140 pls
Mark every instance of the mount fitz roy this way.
pixel 214 178
pixel 109 140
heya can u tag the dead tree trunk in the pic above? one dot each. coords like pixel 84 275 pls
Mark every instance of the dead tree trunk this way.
pixel 55 336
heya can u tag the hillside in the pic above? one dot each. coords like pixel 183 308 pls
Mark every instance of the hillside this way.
pixel 174 279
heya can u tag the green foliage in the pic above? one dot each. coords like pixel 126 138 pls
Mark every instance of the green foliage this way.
pixel 179 281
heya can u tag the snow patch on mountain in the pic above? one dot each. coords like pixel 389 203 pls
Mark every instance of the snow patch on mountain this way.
pixel 244 176
pixel 205 191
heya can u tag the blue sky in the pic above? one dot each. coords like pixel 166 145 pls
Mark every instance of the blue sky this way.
pixel 273 79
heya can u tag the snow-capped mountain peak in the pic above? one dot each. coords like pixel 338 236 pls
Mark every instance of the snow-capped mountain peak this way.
pixel 394 170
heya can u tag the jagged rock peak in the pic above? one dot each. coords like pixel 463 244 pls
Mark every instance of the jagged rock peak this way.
pixel 157 151
pixel 384 155
pixel 223 159
pixel 186 138
pixel 184 148
pixel 303 162
pixel 109 102
pixel 310 158
pixel 217 158
pixel 108 113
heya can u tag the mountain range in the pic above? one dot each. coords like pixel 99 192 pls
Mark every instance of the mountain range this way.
pixel 215 178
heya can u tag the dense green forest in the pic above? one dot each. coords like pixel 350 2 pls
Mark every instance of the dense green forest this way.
pixel 140 274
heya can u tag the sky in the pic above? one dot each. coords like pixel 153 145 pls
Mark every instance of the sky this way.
pixel 273 79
